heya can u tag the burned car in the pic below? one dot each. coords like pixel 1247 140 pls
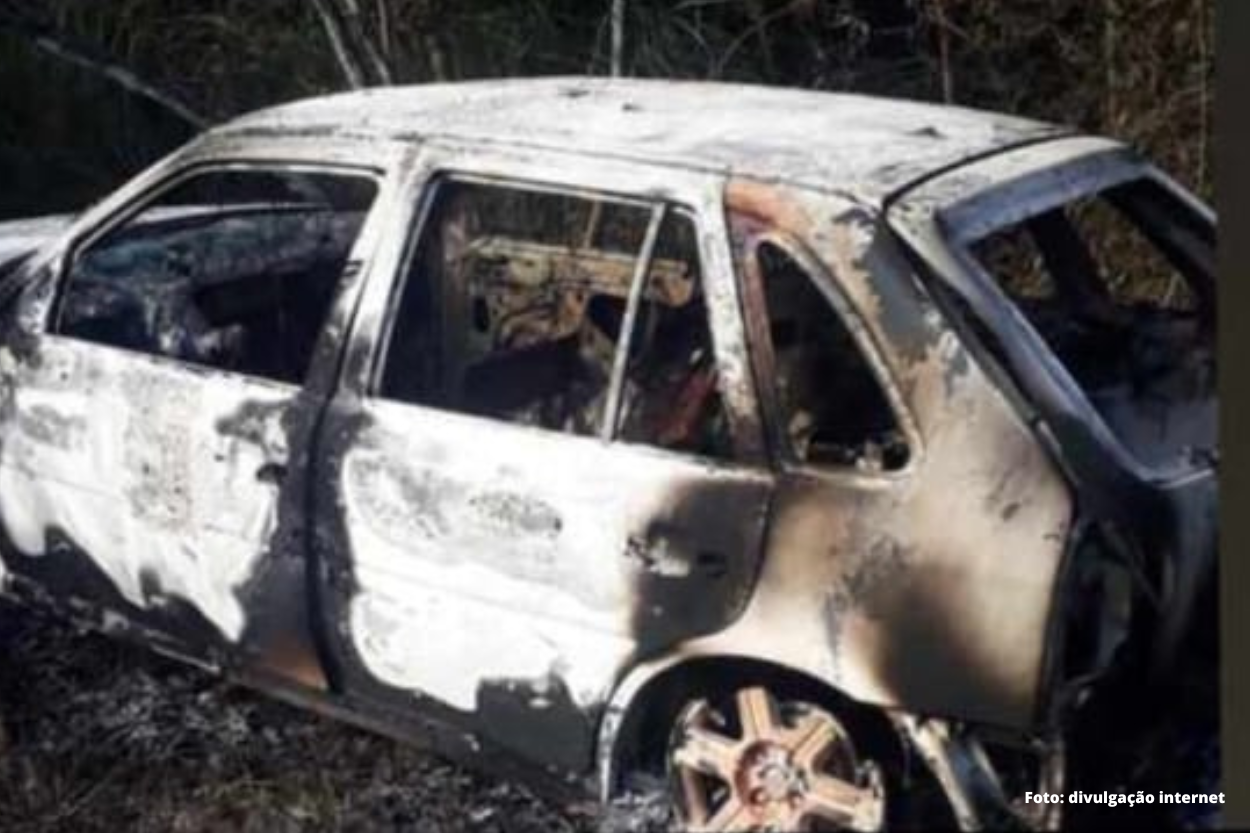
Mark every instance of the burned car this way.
pixel 751 443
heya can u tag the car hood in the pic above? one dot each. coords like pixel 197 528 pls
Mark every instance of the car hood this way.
pixel 21 237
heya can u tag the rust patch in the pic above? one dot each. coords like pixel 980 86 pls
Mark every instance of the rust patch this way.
pixel 769 204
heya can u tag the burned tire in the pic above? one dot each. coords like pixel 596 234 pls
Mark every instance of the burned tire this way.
pixel 757 760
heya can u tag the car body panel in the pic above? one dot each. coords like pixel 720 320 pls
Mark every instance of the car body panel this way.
pixel 856 143
pixel 19 238
pixel 1168 516
pixel 510 574
pixel 152 493
pixel 877 590
pixel 518 588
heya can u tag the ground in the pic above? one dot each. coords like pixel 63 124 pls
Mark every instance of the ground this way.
pixel 104 736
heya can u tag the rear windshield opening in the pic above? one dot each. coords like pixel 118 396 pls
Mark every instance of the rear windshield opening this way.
pixel 1118 284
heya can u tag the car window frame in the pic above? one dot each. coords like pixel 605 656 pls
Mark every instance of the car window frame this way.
pixel 763 361
pixel 136 203
pixel 658 206
pixel 941 236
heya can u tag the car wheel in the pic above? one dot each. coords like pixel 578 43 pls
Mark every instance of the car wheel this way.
pixel 755 761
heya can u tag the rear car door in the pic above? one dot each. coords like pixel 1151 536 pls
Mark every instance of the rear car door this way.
pixel 544 461
pixel 156 400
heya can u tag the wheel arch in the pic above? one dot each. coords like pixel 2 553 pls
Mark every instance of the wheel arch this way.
pixel 650 695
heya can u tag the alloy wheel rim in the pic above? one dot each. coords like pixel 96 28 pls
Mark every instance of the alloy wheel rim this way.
pixel 789 766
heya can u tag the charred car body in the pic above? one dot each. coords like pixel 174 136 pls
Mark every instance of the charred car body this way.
pixel 749 437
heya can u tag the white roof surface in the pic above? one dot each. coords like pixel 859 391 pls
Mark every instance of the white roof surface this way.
pixel 827 140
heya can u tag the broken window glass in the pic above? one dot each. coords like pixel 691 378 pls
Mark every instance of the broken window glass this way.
pixel 1012 255
pixel 1126 314
pixel 833 407
pixel 513 306
pixel 231 269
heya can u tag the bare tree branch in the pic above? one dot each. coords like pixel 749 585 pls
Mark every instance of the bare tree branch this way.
pixel 44 38
pixel 760 23
pixel 119 75
pixel 364 44
pixel 758 12
pixel 944 51
pixel 437 57
pixel 352 71
pixel 358 55
pixel 618 37
pixel 1204 100
pixel 1111 85
pixel 384 28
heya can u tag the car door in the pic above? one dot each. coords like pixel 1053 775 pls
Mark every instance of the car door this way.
pixel 156 401
pixel 544 461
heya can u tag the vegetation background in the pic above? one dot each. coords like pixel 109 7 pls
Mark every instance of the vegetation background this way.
pixel 104 737
pixel 93 90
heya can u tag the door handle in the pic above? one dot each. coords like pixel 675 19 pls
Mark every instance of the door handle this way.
pixel 667 552
pixel 271 473
pixel 715 564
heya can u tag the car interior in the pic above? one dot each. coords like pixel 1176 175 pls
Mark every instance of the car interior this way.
pixel 234 270
pixel 513 309
pixel 1123 310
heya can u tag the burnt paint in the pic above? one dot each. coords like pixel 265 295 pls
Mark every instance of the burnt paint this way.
pixel 699 589
pixel 1165 522
pixel 65 577
pixel 703 577
pixel 889 556
pixel 274 599
pixel 514 717
pixel 277 634
pixel 281 636
pixel 859 588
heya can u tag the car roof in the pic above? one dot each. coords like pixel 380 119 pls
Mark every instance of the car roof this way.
pixel 835 141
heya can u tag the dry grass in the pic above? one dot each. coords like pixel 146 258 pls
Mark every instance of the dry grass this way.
pixel 106 737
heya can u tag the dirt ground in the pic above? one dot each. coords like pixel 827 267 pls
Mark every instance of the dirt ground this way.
pixel 107 737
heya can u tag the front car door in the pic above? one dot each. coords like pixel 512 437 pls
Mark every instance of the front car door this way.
pixel 155 400
pixel 543 464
